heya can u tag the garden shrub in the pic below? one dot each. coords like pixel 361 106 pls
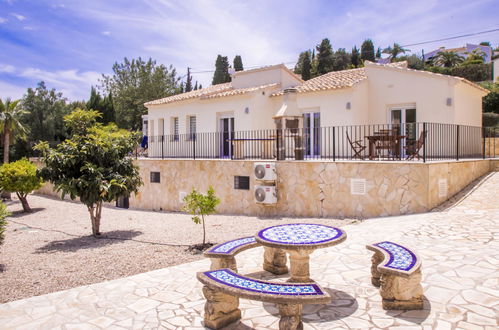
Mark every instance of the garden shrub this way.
pixel 490 119
pixel 20 177
pixel 3 223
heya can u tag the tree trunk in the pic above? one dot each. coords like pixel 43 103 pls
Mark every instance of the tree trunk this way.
pixel 6 145
pixel 95 215
pixel 204 230
pixel 24 202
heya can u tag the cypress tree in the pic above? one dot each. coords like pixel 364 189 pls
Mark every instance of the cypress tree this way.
pixel 188 83
pixel 367 51
pixel 196 86
pixel 221 74
pixel 378 53
pixel 238 63
pixel 325 58
pixel 94 102
pixel 306 67
pixel 299 64
pixel 355 57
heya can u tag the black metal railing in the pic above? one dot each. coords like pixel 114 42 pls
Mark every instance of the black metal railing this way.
pixel 387 142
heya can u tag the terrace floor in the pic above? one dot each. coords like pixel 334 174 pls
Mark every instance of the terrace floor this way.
pixel 458 243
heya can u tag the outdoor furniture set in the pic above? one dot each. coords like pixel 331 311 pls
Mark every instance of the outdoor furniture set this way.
pixel 391 141
pixel 396 268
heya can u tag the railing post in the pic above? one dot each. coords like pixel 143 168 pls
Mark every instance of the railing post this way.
pixel 162 147
pixel 457 142
pixel 484 134
pixel 334 144
pixel 193 146
pixel 425 134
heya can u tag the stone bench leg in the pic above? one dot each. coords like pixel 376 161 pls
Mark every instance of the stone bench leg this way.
pixel 219 263
pixel 376 259
pixel 402 292
pixel 290 316
pixel 274 261
pixel 220 309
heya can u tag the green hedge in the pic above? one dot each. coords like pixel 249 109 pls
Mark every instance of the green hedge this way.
pixel 472 72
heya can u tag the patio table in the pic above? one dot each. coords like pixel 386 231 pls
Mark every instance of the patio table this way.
pixel 299 241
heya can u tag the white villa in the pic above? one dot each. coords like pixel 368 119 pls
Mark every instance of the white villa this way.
pixel 375 94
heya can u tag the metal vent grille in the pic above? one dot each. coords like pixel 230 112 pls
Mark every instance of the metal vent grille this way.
pixel 442 188
pixel 358 186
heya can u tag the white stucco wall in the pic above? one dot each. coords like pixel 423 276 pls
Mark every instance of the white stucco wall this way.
pixel 467 105
pixel 496 70
pixel 396 88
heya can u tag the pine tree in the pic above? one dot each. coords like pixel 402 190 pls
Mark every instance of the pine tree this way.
pixel 188 82
pixel 355 57
pixel 325 58
pixel 306 67
pixel 342 59
pixel 221 74
pixel 238 63
pixel 367 51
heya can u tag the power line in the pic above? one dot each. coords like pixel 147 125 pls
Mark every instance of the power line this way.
pixel 451 38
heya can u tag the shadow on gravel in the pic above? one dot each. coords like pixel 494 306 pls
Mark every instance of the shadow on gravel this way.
pixel 21 213
pixel 2 268
pixel 88 242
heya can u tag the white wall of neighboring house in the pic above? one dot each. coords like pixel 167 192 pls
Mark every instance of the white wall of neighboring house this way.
pixel 496 70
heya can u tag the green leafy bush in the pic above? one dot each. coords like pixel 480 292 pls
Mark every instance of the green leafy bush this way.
pixel 20 177
pixel 3 223
pixel 200 205
pixel 490 103
pixel 490 119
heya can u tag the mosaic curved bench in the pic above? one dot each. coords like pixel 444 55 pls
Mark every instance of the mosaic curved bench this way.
pixel 223 254
pixel 397 271
pixel 223 287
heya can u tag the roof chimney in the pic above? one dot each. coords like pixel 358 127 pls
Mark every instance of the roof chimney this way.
pixel 289 106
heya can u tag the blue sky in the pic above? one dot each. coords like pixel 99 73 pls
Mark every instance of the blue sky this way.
pixel 70 43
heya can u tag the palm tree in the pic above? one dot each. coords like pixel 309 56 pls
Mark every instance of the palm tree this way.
pixel 10 124
pixel 448 59
pixel 395 51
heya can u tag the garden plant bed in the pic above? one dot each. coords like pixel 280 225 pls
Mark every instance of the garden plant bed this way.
pixel 52 248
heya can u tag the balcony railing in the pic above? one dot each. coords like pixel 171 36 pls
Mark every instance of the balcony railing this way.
pixel 387 142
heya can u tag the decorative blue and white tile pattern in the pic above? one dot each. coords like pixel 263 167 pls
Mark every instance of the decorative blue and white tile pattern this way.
pixel 301 233
pixel 232 279
pixel 400 257
pixel 229 246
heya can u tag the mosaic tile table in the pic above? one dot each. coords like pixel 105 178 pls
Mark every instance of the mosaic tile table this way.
pixel 299 241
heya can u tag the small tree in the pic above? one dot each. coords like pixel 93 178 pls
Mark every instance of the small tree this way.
pixel 93 164
pixel 21 178
pixel 200 205
pixel 3 223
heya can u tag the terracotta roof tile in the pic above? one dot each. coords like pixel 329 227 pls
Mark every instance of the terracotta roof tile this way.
pixel 193 94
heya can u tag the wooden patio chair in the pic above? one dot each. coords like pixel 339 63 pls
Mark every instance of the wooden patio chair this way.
pixel 412 148
pixel 357 147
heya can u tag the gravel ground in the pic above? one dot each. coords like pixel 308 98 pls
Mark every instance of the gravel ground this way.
pixel 51 249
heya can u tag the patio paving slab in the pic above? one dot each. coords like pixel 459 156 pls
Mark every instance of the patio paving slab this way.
pixel 458 244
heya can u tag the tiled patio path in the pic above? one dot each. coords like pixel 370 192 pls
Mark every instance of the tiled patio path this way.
pixel 458 244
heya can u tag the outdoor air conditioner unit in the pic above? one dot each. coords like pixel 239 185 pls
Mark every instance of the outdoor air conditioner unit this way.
pixel 265 195
pixel 265 171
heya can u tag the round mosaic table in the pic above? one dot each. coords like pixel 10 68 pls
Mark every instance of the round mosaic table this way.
pixel 299 240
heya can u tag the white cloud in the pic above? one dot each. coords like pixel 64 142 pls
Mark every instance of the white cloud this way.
pixel 10 90
pixel 7 68
pixel 3 20
pixel 18 16
pixel 106 33
pixel 74 84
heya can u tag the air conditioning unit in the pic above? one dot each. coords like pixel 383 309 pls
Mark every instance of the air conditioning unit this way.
pixel 265 194
pixel 265 171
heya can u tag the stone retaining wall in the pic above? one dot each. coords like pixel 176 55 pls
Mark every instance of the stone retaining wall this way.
pixel 311 189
